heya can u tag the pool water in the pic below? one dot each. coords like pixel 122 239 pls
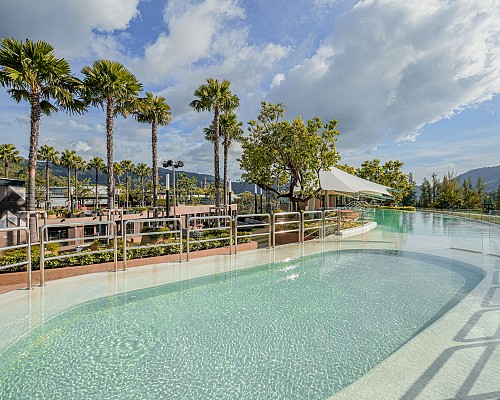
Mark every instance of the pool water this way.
pixel 302 328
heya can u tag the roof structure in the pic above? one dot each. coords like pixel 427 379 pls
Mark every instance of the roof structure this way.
pixel 338 181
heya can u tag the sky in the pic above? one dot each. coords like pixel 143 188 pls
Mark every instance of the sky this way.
pixel 413 80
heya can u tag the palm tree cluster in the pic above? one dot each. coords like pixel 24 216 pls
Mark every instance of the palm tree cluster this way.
pixel 31 72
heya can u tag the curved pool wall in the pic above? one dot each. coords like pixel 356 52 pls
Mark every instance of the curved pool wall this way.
pixel 402 372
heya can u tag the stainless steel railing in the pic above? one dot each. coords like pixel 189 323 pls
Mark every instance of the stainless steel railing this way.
pixel 111 226
pixel 222 223
pixel 161 222
pixel 312 221
pixel 286 222
pixel 251 221
pixel 26 245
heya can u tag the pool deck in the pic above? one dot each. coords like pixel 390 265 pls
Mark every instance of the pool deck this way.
pixel 457 357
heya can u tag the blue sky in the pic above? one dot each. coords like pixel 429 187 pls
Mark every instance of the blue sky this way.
pixel 416 80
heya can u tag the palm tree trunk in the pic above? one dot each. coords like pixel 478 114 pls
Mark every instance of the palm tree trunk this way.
pixel 47 185
pixel 126 189
pixel 96 192
pixel 76 186
pixel 34 132
pixel 154 152
pixel 6 168
pixel 226 147
pixel 142 191
pixel 109 145
pixel 216 159
pixel 70 205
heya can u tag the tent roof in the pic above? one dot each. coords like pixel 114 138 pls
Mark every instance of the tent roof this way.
pixel 336 180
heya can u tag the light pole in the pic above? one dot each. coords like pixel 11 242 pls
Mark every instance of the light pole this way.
pixel 167 194
pixel 173 164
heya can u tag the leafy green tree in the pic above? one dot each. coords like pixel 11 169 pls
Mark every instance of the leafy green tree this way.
pixel 186 187
pixel 128 166
pixel 426 194
pixel 288 156
pixel 49 155
pixel 372 171
pixel 216 97
pixel 497 203
pixel 9 154
pixel 449 194
pixel 410 196
pixel 436 187
pixel 246 203
pixel 347 168
pixel 33 73
pixel 97 164
pixel 480 188
pixel 470 198
pixel 142 170
pixel 155 111
pixel 109 85
pixel 68 159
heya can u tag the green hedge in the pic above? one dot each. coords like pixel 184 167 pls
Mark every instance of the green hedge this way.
pixel 84 258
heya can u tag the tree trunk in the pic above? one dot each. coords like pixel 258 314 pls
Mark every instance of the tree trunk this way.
pixel 76 187
pixel 142 191
pixel 96 191
pixel 34 132
pixel 216 159
pixel 109 145
pixel 6 167
pixel 226 146
pixel 70 205
pixel 154 152
pixel 47 185
pixel 126 190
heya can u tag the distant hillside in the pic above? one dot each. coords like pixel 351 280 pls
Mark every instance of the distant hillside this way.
pixel 58 170
pixel 490 176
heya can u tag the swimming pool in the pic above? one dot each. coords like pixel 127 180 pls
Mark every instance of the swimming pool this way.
pixel 302 327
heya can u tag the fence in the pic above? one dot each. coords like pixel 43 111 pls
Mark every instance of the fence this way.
pixel 110 226
pixel 158 230
pixel 252 222
pixel 212 224
pixel 26 245
pixel 227 230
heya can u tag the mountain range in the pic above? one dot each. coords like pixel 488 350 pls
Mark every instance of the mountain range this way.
pixel 490 176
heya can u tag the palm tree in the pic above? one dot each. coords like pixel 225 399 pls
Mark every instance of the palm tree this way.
pixel 108 84
pixel 34 74
pixel 127 166
pixel 153 110
pixel 67 159
pixel 8 153
pixel 118 170
pixel 142 170
pixel 49 155
pixel 230 129
pixel 97 164
pixel 216 97
pixel 79 165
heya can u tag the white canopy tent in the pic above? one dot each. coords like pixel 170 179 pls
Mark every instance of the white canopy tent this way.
pixel 340 182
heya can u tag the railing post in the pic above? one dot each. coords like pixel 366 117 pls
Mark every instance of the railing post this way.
pixel 180 240
pixel 28 252
pixel 42 257
pixel 339 220
pixel 124 236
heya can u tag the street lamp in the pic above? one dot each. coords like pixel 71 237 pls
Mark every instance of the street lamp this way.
pixel 173 164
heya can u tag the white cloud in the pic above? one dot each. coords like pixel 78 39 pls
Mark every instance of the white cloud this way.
pixel 390 67
pixel 70 26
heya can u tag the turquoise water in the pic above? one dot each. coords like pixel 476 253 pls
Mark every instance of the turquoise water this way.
pixel 300 329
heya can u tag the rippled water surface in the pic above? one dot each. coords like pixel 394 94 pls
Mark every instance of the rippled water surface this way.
pixel 300 329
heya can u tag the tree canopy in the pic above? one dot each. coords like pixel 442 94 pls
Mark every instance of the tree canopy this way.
pixel 286 157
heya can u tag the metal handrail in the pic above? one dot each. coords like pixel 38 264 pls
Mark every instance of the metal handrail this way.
pixel 228 227
pixel 176 222
pixel 284 223
pixel 19 246
pixel 313 218
pixel 254 224
pixel 108 236
pixel 328 217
